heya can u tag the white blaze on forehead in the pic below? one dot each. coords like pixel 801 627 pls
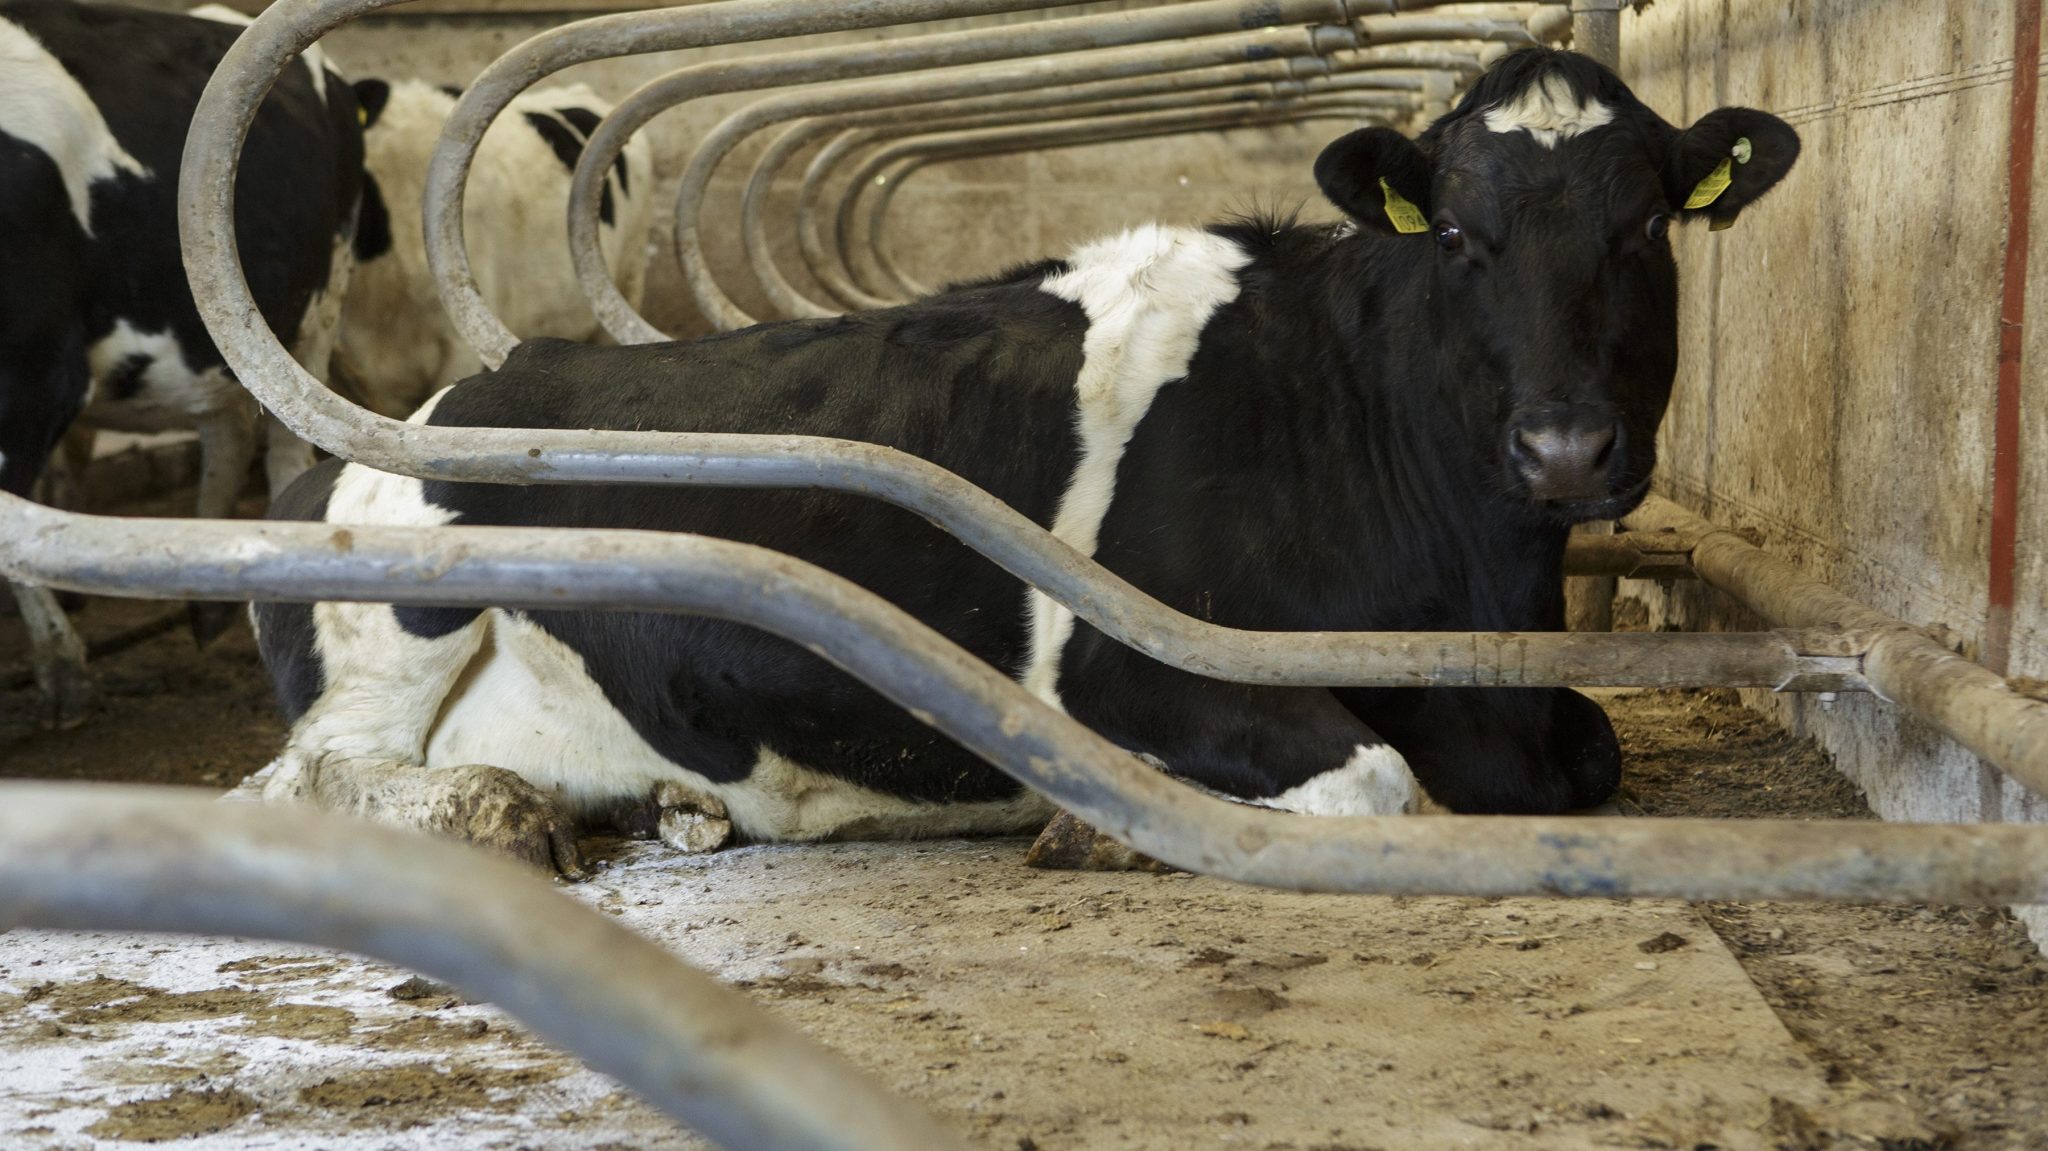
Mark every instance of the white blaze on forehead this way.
pixel 42 104
pixel 1548 111
pixel 1147 293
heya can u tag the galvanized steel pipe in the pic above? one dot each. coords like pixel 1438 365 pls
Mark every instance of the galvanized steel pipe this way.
pixel 917 668
pixel 942 50
pixel 1969 703
pixel 898 161
pixel 80 857
pixel 1145 25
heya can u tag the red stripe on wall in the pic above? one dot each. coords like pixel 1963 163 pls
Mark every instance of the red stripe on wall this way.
pixel 2012 315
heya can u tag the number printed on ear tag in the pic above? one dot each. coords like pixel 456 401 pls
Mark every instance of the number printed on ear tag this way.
pixel 1405 216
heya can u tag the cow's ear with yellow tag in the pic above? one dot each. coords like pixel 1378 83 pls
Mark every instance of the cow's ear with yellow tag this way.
pixel 1379 178
pixel 1725 161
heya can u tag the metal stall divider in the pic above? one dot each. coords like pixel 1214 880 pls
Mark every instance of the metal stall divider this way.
pixel 958 82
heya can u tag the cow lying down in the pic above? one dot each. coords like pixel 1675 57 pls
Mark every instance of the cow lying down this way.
pixel 1390 424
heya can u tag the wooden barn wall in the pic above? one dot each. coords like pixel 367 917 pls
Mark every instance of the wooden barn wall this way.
pixel 1837 394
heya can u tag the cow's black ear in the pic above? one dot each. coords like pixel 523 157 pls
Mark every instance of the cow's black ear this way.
pixel 1721 164
pixel 371 96
pixel 1379 178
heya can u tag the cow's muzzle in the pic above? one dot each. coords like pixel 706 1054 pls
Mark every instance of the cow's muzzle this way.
pixel 1566 456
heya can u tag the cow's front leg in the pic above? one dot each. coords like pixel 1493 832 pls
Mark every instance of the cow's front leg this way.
pixel 227 446
pixel 56 657
pixel 1499 751
pixel 1291 749
pixel 360 746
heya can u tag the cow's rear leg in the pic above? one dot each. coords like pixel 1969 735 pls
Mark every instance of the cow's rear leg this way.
pixel 56 657
pixel 360 745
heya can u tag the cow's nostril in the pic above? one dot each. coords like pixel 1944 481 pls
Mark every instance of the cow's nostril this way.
pixel 1603 446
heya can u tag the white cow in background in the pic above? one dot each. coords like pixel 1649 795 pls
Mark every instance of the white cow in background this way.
pixel 397 345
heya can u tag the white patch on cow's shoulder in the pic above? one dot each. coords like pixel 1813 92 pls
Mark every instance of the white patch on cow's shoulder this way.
pixel 42 104
pixel 1548 111
pixel 1374 781
pixel 1148 293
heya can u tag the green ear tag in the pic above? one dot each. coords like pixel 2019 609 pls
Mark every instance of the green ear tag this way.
pixel 1404 216
pixel 1742 150
pixel 1709 190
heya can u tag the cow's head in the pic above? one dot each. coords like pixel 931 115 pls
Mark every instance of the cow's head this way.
pixel 1545 200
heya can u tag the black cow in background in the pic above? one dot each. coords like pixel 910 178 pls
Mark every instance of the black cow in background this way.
pixel 1390 424
pixel 97 324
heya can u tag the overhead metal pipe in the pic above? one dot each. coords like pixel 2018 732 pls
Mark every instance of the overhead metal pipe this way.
pixel 819 245
pixel 81 857
pixel 1146 25
pixel 1281 77
pixel 899 160
pixel 915 667
pixel 1962 699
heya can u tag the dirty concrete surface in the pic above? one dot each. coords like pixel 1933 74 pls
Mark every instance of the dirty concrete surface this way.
pixel 1052 1010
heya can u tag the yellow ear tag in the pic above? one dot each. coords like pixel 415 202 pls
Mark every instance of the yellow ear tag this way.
pixel 362 116
pixel 1404 216
pixel 1709 190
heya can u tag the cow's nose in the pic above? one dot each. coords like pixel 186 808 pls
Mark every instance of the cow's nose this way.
pixel 1564 460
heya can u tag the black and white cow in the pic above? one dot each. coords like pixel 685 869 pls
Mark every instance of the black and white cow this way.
pixel 397 345
pixel 1262 424
pixel 97 324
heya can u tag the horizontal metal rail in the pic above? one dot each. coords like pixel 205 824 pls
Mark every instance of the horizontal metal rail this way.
pixel 83 857
pixel 917 668
pixel 1964 700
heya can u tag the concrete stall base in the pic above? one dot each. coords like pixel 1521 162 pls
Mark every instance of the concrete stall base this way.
pixel 1031 1008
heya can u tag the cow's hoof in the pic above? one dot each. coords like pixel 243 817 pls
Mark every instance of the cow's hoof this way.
pixel 500 811
pixel 1067 844
pixel 689 821
pixel 69 694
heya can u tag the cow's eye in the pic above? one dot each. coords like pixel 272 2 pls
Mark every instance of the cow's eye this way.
pixel 1450 237
pixel 1658 227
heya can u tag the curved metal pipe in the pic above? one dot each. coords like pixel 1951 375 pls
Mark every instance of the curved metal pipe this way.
pixel 940 50
pixel 820 236
pixel 907 156
pixel 636 109
pixel 727 22
pixel 919 99
pixel 915 667
pixel 1279 77
pixel 80 857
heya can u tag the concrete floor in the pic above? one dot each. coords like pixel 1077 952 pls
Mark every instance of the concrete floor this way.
pixel 1031 1009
